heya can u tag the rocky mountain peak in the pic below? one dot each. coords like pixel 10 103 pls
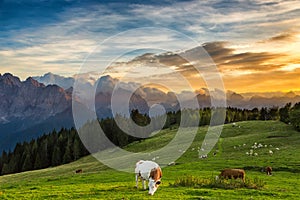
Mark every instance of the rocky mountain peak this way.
pixel 33 82
pixel 236 97
pixel 9 79
pixel 53 79
pixel 290 94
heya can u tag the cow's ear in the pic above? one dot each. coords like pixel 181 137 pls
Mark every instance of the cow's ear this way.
pixel 158 182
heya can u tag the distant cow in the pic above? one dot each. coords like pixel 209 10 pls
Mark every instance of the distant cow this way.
pixel 269 170
pixel 78 171
pixel 148 170
pixel 233 173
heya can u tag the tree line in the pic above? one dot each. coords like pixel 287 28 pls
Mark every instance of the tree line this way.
pixel 48 150
pixel 65 146
pixel 291 115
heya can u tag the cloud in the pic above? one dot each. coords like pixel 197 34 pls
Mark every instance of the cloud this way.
pixel 227 59
pixel 242 37
pixel 239 69
pixel 282 37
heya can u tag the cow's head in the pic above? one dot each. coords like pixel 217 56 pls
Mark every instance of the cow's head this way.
pixel 153 185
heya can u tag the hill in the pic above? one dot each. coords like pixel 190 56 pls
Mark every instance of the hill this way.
pixel 99 182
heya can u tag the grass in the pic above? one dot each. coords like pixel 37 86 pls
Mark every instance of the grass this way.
pixel 190 178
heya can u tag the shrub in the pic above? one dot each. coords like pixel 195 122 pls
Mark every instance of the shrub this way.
pixel 190 181
pixel 196 182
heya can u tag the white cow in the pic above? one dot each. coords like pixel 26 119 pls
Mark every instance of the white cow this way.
pixel 148 170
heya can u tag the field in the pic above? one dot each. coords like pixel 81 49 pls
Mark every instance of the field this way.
pixel 99 182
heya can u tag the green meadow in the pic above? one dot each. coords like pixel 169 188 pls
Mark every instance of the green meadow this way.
pixel 100 182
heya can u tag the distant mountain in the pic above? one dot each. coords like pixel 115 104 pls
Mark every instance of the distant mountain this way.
pixel 53 79
pixel 29 98
pixel 25 104
pixel 103 99
pixel 29 108
pixel 106 84
pixel 258 101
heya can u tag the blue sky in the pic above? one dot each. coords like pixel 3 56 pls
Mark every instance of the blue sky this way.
pixel 38 36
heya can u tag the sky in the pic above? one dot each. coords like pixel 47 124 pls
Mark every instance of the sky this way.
pixel 253 45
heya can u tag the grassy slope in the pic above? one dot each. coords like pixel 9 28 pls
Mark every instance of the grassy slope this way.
pixel 100 182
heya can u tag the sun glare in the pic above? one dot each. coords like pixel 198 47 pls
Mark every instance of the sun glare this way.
pixel 291 67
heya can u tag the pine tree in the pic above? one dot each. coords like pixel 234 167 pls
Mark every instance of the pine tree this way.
pixel 38 161
pixel 4 160
pixel 263 114
pixel 5 169
pixel 78 150
pixel 68 155
pixel 284 113
pixel 56 156
pixel 295 116
pixel 27 165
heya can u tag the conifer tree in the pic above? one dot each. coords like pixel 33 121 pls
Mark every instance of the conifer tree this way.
pixel 27 165
pixel 56 156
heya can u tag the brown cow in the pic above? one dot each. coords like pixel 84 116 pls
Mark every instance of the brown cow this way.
pixel 78 171
pixel 233 173
pixel 269 170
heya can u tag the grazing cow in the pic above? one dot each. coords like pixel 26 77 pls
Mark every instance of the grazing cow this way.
pixel 148 170
pixel 78 171
pixel 233 173
pixel 269 170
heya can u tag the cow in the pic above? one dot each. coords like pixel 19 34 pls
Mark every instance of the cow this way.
pixel 150 171
pixel 269 170
pixel 232 173
pixel 78 171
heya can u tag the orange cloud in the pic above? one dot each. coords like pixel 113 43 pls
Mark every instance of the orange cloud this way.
pixel 242 71
pixel 282 37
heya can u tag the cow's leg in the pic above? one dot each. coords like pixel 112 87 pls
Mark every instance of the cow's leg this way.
pixel 144 185
pixel 136 180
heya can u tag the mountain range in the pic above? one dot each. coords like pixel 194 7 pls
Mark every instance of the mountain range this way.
pixel 153 95
pixel 29 108
pixel 38 105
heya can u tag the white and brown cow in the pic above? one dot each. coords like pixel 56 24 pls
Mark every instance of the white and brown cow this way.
pixel 148 170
